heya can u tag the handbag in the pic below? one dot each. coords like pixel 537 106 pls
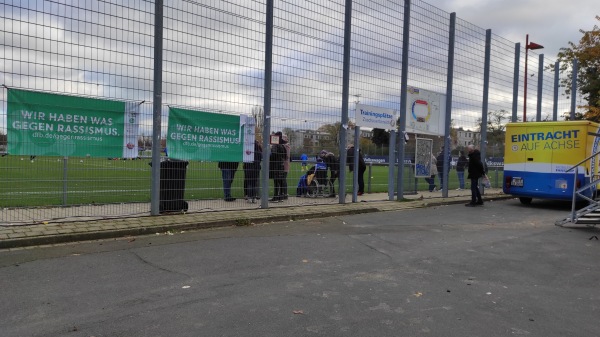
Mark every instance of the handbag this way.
pixel 485 181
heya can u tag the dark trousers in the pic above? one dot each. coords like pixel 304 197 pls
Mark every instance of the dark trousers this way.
pixel 361 179
pixel 431 181
pixel 227 175
pixel 279 185
pixel 285 184
pixel 251 176
pixel 475 194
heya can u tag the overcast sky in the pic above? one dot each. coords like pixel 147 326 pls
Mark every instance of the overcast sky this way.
pixel 549 23
pixel 214 51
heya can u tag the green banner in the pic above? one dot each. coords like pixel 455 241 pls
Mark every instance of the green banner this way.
pixel 198 135
pixel 59 125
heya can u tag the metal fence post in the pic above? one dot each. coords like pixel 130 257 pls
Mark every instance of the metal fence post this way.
pixel 370 176
pixel 345 97
pixel 555 98
pixel 516 76
pixel 449 81
pixel 65 180
pixel 540 85
pixel 574 89
pixel 157 108
pixel 486 94
pixel 403 97
pixel 391 165
pixel 264 172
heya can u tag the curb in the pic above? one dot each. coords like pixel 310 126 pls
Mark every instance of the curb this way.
pixel 196 221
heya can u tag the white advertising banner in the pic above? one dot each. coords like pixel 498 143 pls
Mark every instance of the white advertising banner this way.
pixel 375 117
pixel 249 124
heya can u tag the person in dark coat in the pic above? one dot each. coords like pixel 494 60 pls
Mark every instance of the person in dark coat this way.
pixel 333 165
pixel 277 169
pixel 476 171
pixel 362 167
pixel 252 173
pixel 461 164
pixel 228 170
pixel 440 167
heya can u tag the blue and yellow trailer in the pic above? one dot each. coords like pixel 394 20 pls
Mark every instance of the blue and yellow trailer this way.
pixel 538 155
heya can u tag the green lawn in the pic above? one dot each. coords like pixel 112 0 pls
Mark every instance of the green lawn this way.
pixel 51 181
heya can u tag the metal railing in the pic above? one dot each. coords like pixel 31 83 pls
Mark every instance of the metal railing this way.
pixel 579 194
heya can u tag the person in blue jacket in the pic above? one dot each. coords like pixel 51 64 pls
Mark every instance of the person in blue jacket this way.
pixel 304 160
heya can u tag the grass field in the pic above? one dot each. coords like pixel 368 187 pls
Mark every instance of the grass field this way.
pixel 52 181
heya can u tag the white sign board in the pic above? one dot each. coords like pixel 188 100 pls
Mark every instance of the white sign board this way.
pixel 249 137
pixel 375 117
pixel 423 160
pixel 425 112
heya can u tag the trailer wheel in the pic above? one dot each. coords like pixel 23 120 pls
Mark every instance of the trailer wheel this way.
pixel 525 200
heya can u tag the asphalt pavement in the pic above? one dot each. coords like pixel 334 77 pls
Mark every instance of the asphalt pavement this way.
pixel 440 269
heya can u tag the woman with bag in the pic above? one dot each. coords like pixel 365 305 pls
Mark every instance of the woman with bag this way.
pixel 476 171
pixel 434 172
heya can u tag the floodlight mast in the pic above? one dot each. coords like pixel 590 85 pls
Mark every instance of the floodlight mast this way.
pixel 532 46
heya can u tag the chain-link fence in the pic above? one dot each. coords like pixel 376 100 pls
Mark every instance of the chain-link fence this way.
pixel 78 119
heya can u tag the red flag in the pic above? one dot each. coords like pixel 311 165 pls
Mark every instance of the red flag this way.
pixel 533 45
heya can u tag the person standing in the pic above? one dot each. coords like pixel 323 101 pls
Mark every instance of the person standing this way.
pixel 440 167
pixel 476 171
pixel 276 159
pixel 362 167
pixel 461 164
pixel 228 170
pixel 333 164
pixel 252 173
pixel 304 160
pixel 433 172
pixel 286 165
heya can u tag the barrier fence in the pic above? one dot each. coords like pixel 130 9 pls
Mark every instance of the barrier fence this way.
pixel 81 135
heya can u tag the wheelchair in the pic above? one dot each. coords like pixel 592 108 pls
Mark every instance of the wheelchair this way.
pixel 319 187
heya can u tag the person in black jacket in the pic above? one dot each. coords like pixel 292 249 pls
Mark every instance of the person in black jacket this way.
pixel 252 173
pixel 333 164
pixel 440 167
pixel 362 167
pixel 461 164
pixel 476 171
pixel 276 168
pixel 228 170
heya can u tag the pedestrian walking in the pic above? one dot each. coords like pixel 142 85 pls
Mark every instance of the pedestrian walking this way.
pixel 362 167
pixel 433 172
pixel 476 171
